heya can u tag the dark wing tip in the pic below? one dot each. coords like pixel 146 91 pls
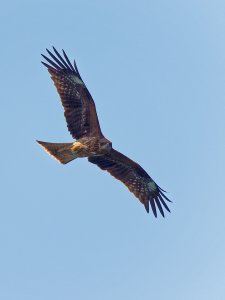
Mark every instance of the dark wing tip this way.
pixel 163 195
pixel 159 206
pixel 59 63
pixel 68 61
pixel 52 65
pixel 163 202
pixel 152 203
pixel 157 201
pixel 146 204
pixel 46 65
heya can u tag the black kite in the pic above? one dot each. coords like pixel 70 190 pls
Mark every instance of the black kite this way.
pixel 82 122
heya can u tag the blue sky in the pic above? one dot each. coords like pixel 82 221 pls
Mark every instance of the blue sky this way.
pixel 156 70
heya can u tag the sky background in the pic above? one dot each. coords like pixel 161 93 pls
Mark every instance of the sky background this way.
pixel 156 70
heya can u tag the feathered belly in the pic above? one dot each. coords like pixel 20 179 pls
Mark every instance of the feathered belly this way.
pixel 80 149
pixel 89 146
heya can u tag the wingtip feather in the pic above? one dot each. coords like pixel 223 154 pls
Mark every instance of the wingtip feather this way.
pixel 152 203
pixel 146 205
pixel 159 207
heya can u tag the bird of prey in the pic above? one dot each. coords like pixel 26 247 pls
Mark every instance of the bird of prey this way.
pixel 82 122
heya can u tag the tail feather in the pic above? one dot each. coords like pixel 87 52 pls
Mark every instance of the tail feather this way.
pixel 60 151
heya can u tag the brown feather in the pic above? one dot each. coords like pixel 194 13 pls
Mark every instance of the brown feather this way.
pixel 79 107
pixel 134 177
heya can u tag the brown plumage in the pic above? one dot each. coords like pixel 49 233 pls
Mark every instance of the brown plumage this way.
pixel 82 122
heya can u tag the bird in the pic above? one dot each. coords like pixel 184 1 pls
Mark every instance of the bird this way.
pixel 89 141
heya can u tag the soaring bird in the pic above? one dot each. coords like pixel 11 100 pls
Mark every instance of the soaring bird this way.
pixel 82 122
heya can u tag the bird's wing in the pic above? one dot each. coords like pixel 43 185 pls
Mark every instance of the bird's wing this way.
pixel 79 107
pixel 135 178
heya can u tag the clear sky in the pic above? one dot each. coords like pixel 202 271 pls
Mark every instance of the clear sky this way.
pixel 156 70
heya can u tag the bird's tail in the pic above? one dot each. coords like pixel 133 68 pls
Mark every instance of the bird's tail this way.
pixel 61 151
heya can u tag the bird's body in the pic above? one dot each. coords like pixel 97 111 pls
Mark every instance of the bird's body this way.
pixel 83 147
pixel 83 124
pixel 92 146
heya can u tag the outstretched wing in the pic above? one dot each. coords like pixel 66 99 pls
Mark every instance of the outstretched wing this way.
pixel 135 178
pixel 79 107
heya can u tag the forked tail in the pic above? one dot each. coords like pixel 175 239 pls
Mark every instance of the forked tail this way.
pixel 60 151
